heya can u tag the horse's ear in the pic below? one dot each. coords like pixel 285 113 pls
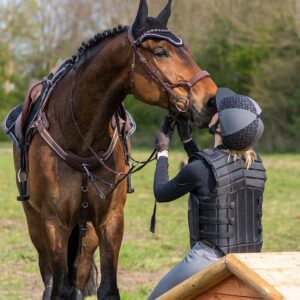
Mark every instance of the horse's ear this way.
pixel 142 14
pixel 164 16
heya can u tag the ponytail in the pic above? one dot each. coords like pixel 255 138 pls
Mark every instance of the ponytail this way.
pixel 248 155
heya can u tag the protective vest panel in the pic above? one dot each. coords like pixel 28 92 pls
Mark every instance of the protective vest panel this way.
pixel 229 218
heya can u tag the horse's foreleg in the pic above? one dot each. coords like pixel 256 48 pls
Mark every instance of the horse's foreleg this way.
pixel 37 238
pixel 110 236
pixel 57 239
pixel 84 280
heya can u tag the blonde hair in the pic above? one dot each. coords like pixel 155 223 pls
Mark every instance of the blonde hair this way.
pixel 248 155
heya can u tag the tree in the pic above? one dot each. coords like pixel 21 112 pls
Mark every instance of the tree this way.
pixel 250 46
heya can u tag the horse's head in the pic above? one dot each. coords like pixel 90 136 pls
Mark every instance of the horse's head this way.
pixel 163 71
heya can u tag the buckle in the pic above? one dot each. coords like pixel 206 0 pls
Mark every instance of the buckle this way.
pixel 22 176
pixel 186 104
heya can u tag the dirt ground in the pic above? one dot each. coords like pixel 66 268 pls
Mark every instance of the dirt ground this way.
pixel 127 280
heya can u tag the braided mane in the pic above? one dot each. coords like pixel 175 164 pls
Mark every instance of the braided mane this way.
pixel 97 38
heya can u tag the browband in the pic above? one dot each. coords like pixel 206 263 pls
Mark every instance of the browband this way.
pixel 161 34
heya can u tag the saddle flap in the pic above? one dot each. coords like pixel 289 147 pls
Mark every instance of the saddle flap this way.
pixel 32 95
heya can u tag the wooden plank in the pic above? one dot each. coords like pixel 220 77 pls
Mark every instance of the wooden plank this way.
pixel 290 293
pixel 280 269
pixel 235 287
pixel 270 260
pixel 209 296
pixel 198 283
pixel 278 277
pixel 272 275
pixel 252 279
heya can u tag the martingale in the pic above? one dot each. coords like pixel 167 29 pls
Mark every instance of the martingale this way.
pixel 24 120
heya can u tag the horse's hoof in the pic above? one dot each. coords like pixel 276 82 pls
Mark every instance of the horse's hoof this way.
pixel 110 297
pixel 76 294
pixel 47 292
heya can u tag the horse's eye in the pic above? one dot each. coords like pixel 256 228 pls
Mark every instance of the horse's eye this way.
pixel 160 52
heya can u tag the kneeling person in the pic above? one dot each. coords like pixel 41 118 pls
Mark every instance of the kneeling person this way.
pixel 225 183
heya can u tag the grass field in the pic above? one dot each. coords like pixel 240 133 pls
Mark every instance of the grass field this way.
pixel 144 257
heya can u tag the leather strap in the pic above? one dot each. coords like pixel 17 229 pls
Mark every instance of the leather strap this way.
pixel 72 159
pixel 199 76
pixel 84 203
pixel 130 36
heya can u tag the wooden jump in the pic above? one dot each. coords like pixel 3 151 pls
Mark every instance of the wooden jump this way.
pixel 244 276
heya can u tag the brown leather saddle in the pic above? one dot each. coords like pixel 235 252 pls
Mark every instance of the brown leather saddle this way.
pixel 32 95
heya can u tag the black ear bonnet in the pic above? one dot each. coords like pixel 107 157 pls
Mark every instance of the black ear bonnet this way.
pixel 145 27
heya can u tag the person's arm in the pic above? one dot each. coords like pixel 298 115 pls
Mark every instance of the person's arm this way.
pixel 190 148
pixel 185 134
pixel 186 180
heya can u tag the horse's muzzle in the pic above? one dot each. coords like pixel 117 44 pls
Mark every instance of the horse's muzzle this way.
pixel 202 117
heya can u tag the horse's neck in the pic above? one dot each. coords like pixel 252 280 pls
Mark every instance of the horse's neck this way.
pixel 101 82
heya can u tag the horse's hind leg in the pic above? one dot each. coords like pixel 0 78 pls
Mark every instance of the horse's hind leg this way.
pixel 110 236
pixel 37 238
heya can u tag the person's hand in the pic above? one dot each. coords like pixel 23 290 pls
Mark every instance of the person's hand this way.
pixel 184 129
pixel 162 141
pixel 214 125
pixel 214 120
pixel 163 137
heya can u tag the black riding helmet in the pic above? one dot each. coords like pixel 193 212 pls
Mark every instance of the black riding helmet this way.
pixel 240 120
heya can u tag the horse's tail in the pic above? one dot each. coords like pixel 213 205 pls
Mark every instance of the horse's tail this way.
pixel 91 287
pixel 74 246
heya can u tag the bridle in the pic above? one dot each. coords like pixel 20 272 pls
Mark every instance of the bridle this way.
pixel 86 165
pixel 165 86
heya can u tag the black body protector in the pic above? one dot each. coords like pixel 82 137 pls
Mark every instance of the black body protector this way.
pixel 229 218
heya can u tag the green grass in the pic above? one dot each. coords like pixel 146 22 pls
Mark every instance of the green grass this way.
pixel 144 257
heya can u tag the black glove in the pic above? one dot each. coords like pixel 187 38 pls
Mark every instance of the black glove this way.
pixel 162 141
pixel 163 137
pixel 184 129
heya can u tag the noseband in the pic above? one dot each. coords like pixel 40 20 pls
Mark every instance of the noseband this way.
pixel 165 86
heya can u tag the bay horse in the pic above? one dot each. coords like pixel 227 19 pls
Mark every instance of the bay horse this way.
pixel 74 128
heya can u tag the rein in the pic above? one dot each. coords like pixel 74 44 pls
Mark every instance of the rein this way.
pixel 119 133
pixel 112 145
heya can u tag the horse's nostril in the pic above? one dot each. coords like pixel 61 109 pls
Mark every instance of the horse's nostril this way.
pixel 211 104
